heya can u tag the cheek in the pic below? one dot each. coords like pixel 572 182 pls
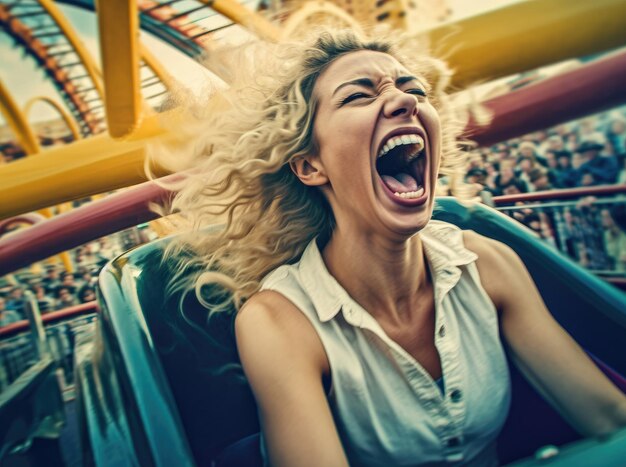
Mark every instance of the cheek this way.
pixel 345 136
pixel 432 124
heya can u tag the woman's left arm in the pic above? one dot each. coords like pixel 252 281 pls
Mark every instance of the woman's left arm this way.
pixel 550 359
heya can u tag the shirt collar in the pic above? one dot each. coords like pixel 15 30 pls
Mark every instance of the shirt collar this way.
pixel 444 248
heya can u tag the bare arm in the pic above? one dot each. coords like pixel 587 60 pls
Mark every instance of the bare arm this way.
pixel 551 360
pixel 284 360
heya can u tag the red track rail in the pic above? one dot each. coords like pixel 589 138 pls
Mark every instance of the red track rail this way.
pixel 590 88
pixel 81 225
pixel 29 218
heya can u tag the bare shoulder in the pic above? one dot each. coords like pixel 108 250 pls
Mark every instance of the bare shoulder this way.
pixel 270 312
pixel 270 326
pixel 489 251
pixel 499 266
pixel 266 307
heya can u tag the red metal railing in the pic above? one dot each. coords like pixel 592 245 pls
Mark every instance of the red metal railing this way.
pixel 49 318
pixel 553 198
pixel 568 193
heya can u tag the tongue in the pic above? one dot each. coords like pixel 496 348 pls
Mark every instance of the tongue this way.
pixel 400 182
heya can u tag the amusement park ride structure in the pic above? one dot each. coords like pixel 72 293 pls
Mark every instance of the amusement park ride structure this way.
pixel 113 112
pixel 117 157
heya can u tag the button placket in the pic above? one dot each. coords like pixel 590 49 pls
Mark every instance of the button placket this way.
pixel 448 347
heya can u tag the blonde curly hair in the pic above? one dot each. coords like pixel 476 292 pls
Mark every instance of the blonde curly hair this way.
pixel 238 145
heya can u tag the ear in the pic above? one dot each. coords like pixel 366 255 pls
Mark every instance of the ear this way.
pixel 310 170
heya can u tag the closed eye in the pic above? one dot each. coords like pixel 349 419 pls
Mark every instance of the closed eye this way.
pixel 416 91
pixel 352 97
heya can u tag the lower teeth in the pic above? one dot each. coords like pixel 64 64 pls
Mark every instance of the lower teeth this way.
pixel 410 194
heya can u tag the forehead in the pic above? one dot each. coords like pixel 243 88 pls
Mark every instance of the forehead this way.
pixel 360 64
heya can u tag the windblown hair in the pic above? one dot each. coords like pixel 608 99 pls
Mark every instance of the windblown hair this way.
pixel 236 151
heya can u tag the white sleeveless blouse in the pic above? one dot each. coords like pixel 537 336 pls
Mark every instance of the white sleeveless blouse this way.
pixel 387 408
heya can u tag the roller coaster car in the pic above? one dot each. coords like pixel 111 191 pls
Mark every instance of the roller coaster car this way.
pixel 160 387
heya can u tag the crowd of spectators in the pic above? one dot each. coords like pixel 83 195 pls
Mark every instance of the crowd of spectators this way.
pixel 585 153
pixel 56 288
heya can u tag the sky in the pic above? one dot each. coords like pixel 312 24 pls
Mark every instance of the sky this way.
pixel 24 79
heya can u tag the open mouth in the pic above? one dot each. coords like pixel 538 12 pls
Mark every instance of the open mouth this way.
pixel 401 165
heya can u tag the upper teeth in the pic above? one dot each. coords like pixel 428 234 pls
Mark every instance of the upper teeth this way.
pixel 400 140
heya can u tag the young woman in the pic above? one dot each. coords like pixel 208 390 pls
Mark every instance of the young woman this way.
pixel 369 333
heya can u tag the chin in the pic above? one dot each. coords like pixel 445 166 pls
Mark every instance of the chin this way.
pixel 407 225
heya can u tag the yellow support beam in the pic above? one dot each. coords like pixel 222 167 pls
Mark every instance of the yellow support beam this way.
pixel 527 35
pixel 82 52
pixel 18 122
pixel 83 168
pixel 118 25
pixel 67 118
pixel 245 17
pixel 75 171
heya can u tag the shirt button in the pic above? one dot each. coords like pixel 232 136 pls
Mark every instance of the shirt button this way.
pixel 453 442
pixel 456 395
pixel 442 331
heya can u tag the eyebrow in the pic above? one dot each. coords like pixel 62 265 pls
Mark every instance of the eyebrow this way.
pixel 368 83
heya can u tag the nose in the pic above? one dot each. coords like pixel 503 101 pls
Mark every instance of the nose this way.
pixel 400 103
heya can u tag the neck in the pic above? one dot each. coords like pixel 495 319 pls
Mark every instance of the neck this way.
pixel 385 277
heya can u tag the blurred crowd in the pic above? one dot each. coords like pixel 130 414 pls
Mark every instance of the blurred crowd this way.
pixel 585 153
pixel 56 288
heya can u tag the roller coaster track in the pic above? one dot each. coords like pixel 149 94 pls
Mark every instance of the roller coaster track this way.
pixel 190 25
pixel 65 62
pixel 41 30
